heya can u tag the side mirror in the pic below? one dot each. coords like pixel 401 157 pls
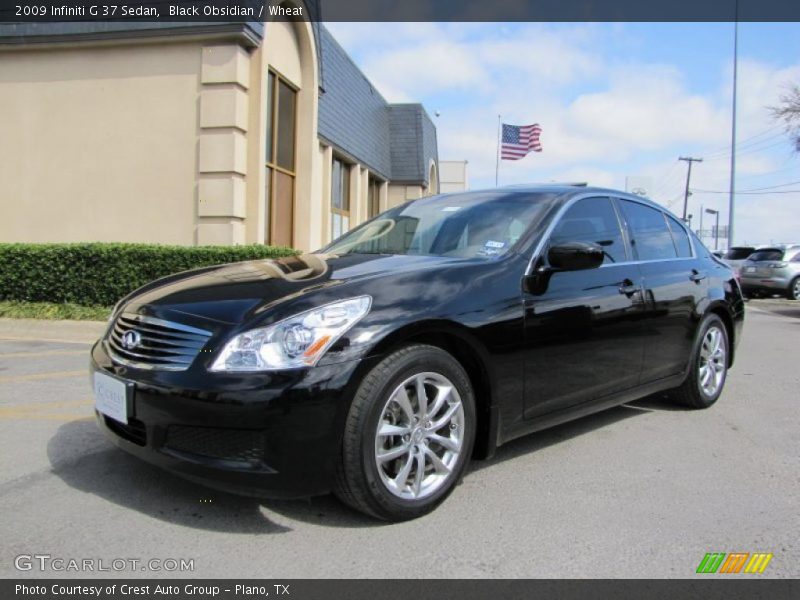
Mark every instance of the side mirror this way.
pixel 575 256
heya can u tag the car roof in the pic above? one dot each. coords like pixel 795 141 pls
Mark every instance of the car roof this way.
pixel 568 191
pixel 563 191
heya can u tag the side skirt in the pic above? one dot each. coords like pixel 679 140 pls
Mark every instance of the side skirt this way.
pixel 587 408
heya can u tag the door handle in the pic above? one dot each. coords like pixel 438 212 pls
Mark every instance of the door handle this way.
pixel 628 288
pixel 697 276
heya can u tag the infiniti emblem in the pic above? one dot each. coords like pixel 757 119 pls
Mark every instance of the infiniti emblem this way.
pixel 131 339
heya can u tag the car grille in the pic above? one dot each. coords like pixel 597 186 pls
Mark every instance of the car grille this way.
pixel 160 344
pixel 237 445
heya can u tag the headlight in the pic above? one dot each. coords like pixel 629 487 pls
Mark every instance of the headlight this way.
pixel 299 341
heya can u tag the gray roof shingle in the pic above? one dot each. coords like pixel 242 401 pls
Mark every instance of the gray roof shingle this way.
pixel 396 141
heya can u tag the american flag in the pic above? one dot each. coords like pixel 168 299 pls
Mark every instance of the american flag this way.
pixel 518 140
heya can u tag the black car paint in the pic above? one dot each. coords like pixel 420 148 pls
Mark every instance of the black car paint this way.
pixel 579 342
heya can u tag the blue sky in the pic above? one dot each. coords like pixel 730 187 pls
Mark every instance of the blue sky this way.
pixel 613 100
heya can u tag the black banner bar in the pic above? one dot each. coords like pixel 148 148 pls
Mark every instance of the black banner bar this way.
pixel 714 588
pixel 241 11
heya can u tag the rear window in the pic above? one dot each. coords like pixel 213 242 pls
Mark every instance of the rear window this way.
pixel 739 253
pixel 680 237
pixel 767 254
pixel 651 236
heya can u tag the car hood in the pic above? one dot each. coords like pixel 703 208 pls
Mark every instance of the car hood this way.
pixel 233 293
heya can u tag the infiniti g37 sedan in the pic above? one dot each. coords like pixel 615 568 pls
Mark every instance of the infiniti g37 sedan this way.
pixel 379 366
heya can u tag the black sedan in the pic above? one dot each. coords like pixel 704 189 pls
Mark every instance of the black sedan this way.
pixel 379 366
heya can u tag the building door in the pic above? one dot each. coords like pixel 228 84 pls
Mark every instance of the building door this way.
pixel 280 166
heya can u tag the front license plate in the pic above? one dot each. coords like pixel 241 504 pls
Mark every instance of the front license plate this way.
pixel 111 396
pixel 749 269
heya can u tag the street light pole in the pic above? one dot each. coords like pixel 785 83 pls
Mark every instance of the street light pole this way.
pixel 732 197
pixel 689 160
pixel 711 211
pixel 700 231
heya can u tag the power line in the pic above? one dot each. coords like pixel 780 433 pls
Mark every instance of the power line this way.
pixel 751 150
pixel 727 147
pixel 745 146
pixel 664 182
pixel 782 169
pixel 771 187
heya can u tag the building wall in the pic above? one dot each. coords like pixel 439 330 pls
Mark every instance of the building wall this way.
pixel 222 165
pixel 164 142
pixel 99 144
pixel 453 176
pixel 399 193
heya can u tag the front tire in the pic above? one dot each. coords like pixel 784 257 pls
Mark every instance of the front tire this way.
pixel 408 436
pixel 708 370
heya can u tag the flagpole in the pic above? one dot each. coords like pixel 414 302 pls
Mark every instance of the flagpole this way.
pixel 497 165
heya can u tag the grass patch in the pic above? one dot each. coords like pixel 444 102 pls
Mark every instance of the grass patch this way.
pixel 50 310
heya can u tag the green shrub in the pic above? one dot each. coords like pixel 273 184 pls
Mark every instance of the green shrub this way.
pixel 13 309
pixel 99 274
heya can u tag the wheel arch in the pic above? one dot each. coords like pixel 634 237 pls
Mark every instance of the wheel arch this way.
pixel 721 310
pixel 458 341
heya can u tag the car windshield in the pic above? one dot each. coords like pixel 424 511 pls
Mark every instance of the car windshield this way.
pixel 471 225
pixel 766 254
pixel 739 253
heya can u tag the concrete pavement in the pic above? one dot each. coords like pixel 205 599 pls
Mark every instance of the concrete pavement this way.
pixel 643 490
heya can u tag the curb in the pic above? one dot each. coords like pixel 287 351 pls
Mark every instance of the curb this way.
pixel 43 330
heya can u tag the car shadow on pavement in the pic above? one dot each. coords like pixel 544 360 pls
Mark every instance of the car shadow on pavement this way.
pixel 84 460
pixel 545 438
pixel 327 511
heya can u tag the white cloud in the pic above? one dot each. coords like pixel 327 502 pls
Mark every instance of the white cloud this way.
pixel 604 115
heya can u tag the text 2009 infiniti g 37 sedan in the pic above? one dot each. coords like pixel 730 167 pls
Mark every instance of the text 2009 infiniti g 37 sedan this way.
pixel 430 335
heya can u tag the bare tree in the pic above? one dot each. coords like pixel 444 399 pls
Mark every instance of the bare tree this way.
pixel 788 111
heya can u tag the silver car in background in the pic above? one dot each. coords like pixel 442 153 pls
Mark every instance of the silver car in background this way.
pixel 772 270
pixel 736 255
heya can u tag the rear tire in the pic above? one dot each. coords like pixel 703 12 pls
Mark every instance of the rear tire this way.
pixel 793 293
pixel 708 369
pixel 401 457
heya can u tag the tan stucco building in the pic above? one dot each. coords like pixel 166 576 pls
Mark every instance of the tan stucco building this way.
pixel 185 134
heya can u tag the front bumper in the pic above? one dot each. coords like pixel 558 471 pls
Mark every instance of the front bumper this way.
pixel 267 434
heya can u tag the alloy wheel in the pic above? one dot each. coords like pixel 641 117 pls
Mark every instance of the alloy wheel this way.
pixel 420 436
pixel 713 361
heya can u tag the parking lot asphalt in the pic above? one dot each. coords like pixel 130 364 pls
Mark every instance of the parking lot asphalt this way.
pixel 643 490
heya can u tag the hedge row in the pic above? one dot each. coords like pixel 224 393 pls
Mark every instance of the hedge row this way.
pixel 100 274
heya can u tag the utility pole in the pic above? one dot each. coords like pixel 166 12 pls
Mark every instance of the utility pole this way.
pixel 689 160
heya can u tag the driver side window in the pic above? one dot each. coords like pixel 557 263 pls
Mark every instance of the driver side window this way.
pixel 592 220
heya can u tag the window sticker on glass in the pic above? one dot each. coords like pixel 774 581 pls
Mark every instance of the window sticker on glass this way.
pixel 491 248
pixel 450 208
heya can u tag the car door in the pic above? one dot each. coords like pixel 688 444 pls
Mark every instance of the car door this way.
pixel 582 328
pixel 675 284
